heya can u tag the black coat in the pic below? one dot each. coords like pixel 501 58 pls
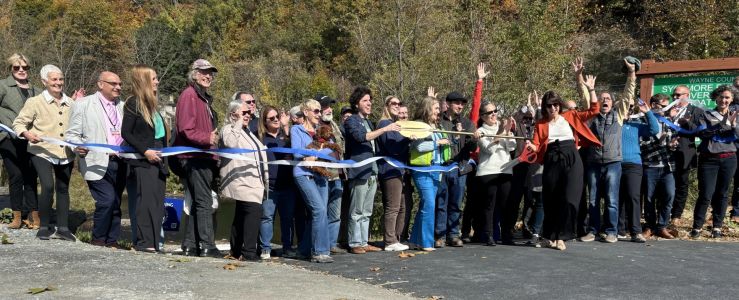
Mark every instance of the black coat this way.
pixel 139 135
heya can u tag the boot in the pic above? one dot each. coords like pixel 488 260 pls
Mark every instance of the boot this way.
pixel 34 220
pixel 16 224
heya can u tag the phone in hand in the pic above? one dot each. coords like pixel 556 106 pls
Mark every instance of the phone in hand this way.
pixel 641 102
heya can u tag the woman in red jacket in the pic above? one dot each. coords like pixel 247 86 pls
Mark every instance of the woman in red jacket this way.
pixel 556 139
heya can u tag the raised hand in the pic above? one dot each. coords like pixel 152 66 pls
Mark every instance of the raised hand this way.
pixel 537 99
pixel 629 66
pixel 430 92
pixel 590 82
pixel 577 65
pixel 481 73
pixel 78 94
pixel 643 106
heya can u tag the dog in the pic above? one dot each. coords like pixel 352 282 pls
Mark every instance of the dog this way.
pixel 322 140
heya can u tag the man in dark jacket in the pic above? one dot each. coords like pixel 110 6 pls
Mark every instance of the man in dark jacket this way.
pixel 685 156
pixel 196 127
pixel 451 190
pixel 360 145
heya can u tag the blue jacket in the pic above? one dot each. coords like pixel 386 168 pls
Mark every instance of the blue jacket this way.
pixel 631 132
pixel 392 144
pixel 358 148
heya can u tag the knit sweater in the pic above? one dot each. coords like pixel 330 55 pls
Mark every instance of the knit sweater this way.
pixel 494 156
pixel 632 130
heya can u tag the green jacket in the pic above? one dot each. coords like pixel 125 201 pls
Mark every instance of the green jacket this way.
pixel 11 102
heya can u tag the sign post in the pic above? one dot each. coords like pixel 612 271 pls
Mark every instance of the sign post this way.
pixel 700 87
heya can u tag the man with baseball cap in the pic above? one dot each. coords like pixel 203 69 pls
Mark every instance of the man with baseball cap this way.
pixel 196 126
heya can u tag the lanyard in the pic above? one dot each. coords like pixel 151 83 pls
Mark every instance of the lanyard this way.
pixel 107 116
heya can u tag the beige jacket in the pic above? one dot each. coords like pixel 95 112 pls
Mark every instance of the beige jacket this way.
pixel 43 117
pixel 243 180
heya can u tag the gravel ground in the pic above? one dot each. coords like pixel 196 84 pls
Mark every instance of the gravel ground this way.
pixel 82 271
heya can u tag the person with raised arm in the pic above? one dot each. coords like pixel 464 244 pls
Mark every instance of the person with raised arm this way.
pixel 556 139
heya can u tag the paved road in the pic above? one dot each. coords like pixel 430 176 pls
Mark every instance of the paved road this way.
pixel 656 270
pixel 83 271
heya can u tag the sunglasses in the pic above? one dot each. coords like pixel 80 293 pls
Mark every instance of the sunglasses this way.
pixel 317 111
pixel 250 101
pixel 394 103
pixel 21 68
pixel 113 83
pixel 677 95
pixel 494 111
pixel 273 118
pixel 552 105
pixel 244 112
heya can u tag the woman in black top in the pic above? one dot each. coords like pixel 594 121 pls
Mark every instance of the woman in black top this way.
pixel 14 91
pixel 143 129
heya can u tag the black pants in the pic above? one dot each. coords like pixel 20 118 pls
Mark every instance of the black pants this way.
pixel 495 188
pixel 562 184
pixel 714 175
pixel 21 174
pixel 682 183
pixel 245 229
pixel 201 222
pixel 107 193
pixel 520 187
pixel 54 179
pixel 150 188
pixel 630 198
pixel 473 215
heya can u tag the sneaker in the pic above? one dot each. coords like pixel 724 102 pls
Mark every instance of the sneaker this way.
pixel 610 238
pixel 588 237
pixel 322 259
pixel 337 250
pixel 289 253
pixel 396 247
pixel 638 238
pixel 716 233
pixel 45 233
pixel 534 241
pixel 695 233
pixel 265 254
pixel 622 236
pixel 65 235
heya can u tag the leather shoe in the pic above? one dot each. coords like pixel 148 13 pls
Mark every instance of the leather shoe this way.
pixel 337 250
pixel 357 250
pixel 212 252
pixel 647 233
pixel 439 243
pixel 663 233
pixel 455 242
pixel 370 248
pixel 190 252
pixel 97 243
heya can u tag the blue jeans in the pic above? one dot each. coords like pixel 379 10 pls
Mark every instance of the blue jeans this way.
pixel 335 191
pixel 284 202
pixel 660 182
pixel 422 233
pixel 603 179
pixel 360 210
pixel 536 219
pixel 714 176
pixel 448 204
pixel 315 194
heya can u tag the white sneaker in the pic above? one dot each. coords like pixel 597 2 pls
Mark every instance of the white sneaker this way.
pixel 396 247
pixel 265 255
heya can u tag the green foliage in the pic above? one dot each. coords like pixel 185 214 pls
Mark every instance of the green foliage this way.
pixel 6 215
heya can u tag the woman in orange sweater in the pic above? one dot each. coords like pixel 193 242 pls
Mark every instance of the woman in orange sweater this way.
pixel 557 137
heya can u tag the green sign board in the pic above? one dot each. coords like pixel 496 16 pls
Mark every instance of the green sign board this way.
pixel 700 87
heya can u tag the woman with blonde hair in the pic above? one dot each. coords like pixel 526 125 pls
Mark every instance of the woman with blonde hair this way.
pixel 432 150
pixel 243 180
pixel 14 92
pixel 144 130
pixel 393 145
pixel 47 115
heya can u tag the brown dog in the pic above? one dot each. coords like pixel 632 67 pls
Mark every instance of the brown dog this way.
pixel 322 140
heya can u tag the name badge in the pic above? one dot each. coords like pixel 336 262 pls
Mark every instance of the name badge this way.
pixel 115 131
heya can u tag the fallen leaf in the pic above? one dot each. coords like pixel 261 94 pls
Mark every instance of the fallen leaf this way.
pixel 232 266
pixel 422 252
pixel 6 241
pixel 34 291
pixel 375 269
pixel 404 254
pixel 181 260
pixel 435 298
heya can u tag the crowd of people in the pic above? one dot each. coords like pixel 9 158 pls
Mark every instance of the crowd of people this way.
pixel 562 159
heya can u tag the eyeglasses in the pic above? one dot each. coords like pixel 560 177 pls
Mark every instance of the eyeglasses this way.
pixel 250 101
pixel 394 103
pixel 113 83
pixel 552 105
pixel 21 68
pixel 244 112
pixel 494 111
pixel 316 111
pixel 273 118
pixel 677 95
